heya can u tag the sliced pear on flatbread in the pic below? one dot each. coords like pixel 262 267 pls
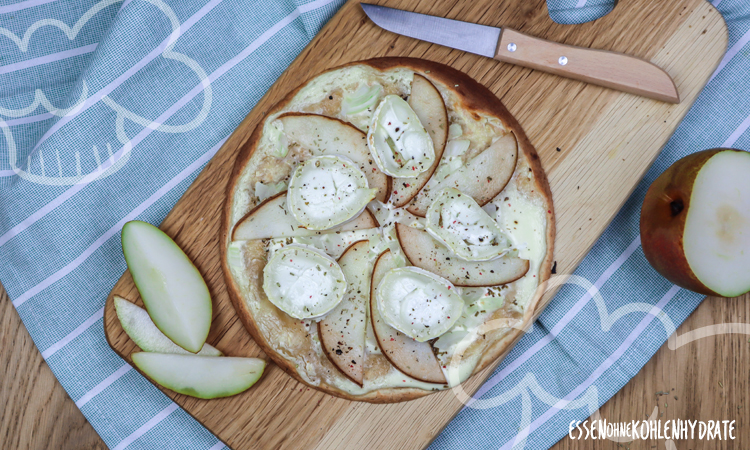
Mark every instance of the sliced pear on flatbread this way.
pixel 427 102
pixel 483 177
pixel 343 331
pixel 426 253
pixel 327 136
pixel 271 220
pixel 415 359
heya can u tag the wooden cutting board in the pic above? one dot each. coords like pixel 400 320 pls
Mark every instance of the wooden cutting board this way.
pixel 594 143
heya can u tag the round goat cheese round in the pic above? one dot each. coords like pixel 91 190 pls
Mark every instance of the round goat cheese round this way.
pixel 458 222
pixel 418 303
pixel 398 141
pixel 327 191
pixel 303 281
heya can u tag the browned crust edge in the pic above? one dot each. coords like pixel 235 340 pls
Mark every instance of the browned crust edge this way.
pixel 474 96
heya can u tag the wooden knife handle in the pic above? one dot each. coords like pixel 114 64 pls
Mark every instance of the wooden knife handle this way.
pixel 609 69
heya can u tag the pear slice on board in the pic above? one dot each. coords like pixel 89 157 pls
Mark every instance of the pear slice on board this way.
pixel 175 295
pixel 200 376
pixel 141 329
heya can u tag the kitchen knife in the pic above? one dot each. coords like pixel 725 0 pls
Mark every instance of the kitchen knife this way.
pixel 609 69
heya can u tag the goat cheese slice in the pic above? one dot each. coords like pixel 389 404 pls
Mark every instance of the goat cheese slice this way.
pixel 327 191
pixel 303 281
pixel 398 141
pixel 418 303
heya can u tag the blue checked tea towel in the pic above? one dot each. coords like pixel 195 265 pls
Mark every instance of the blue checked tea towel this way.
pixel 83 82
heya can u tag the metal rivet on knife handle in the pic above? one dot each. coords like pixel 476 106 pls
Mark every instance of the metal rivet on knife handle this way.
pixel 511 47
pixel 609 69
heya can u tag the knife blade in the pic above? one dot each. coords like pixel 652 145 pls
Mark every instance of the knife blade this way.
pixel 604 68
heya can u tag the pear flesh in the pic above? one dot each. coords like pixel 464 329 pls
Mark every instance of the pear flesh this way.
pixel 327 136
pixel 141 329
pixel 343 330
pixel 482 177
pixel 271 220
pixel 695 223
pixel 198 376
pixel 425 252
pixel 429 106
pixel 176 297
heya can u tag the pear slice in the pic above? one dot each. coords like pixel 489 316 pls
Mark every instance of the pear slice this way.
pixel 141 329
pixel 427 102
pixel 327 136
pixel 426 253
pixel 343 331
pixel 271 220
pixel 415 359
pixel 483 177
pixel 695 222
pixel 175 295
pixel 363 99
pixel 200 376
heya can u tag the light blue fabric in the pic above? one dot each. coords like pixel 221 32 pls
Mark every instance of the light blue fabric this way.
pixel 114 66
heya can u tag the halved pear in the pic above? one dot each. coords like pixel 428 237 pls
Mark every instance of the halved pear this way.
pixel 201 376
pixel 271 220
pixel 427 102
pixel 343 331
pixel 415 359
pixel 695 223
pixel 141 329
pixel 327 136
pixel 175 295
pixel 483 177
pixel 426 253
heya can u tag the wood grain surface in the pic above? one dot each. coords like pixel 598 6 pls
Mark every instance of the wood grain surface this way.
pixel 37 414
pixel 35 411
pixel 613 70
pixel 606 141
